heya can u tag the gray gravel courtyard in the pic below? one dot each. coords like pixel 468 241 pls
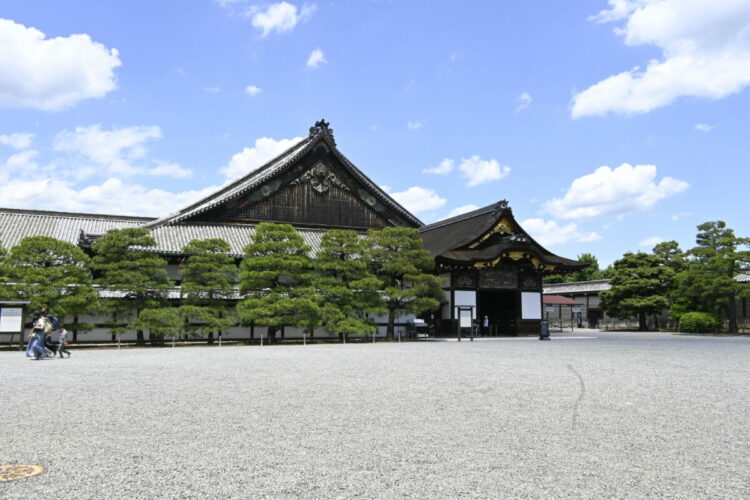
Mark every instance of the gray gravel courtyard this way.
pixel 619 415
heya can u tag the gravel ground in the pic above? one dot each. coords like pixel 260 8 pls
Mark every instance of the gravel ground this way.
pixel 615 416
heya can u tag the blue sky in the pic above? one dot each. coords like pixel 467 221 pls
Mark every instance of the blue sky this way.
pixel 607 125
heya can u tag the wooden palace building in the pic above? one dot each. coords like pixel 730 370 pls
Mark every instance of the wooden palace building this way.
pixel 492 267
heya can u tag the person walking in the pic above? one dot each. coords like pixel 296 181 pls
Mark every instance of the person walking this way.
pixel 62 347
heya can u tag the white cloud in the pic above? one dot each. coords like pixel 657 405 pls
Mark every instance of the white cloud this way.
pixel 552 233
pixel 316 59
pixel 52 74
pixel 17 140
pixel 616 191
pixel 704 127
pixel 111 196
pixel 279 17
pixel 252 90
pixel 479 171
pixel 415 125
pixel 651 242
pixel 462 210
pixel 115 150
pixel 418 199
pixel 523 101
pixel 445 167
pixel 705 53
pixel 250 159
pixel 169 169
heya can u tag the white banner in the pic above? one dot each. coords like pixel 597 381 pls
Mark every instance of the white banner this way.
pixel 10 319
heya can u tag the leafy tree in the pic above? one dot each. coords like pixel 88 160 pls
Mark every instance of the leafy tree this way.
pixel 346 284
pixel 404 269
pixel 53 273
pixel 276 273
pixel 639 286
pixel 135 278
pixel 208 279
pixel 160 322
pixel 671 255
pixel 708 280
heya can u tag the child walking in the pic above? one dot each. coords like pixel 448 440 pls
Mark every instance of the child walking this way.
pixel 62 347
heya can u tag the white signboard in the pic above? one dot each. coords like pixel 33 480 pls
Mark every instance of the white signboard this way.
pixel 10 319
pixel 465 298
pixel 550 309
pixel 531 305
pixel 465 318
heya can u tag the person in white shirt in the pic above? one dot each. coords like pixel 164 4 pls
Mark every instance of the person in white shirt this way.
pixel 62 348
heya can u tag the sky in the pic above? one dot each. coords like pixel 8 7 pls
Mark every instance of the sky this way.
pixel 609 126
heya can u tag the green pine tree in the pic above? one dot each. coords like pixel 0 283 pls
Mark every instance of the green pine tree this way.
pixel 708 279
pixel 208 279
pixel 276 275
pixel 52 273
pixel 347 285
pixel 640 282
pixel 404 269
pixel 134 278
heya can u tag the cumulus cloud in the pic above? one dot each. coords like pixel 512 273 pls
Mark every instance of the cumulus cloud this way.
pixel 316 59
pixel 445 167
pixel 111 196
pixel 279 17
pixel 704 127
pixel 462 210
pixel 418 199
pixel 52 74
pixel 523 101
pixel 17 140
pixel 415 125
pixel 119 152
pixel 250 159
pixel 478 171
pixel 705 50
pixel 252 90
pixel 618 191
pixel 651 242
pixel 551 233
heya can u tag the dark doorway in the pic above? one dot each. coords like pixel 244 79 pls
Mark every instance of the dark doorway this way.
pixel 500 308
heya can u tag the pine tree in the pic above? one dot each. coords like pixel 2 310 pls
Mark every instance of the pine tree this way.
pixel 276 274
pixel 208 279
pixel 135 278
pixel 404 269
pixel 639 286
pixel 709 278
pixel 347 285
pixel 52 273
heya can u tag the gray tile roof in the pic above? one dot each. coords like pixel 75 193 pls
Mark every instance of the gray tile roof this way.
pixel 743 277
pixel 18 224
pixel 577 287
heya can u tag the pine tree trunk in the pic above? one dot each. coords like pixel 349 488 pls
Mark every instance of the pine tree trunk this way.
pixel 391 325
pixel 732 313
pixel 211 337
pixel 139 337
pixel 642 326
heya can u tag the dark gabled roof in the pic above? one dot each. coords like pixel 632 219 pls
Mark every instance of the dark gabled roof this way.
pixel 457 240
pixel 273 168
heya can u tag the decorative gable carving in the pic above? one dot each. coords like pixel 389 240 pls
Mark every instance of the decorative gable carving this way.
pixel 320 179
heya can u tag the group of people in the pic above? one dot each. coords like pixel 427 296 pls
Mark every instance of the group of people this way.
pixel 40 343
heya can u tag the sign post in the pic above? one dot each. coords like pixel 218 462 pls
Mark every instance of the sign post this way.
pixel 465 319
pixel 12 319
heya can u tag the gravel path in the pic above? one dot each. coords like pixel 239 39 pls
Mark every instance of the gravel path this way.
pixel 617 416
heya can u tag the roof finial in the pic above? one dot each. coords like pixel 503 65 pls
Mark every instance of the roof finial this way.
pixel 322 127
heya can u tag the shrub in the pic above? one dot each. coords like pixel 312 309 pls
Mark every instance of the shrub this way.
pixel 700 322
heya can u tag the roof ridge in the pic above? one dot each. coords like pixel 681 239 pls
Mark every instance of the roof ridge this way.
pixel 499 205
